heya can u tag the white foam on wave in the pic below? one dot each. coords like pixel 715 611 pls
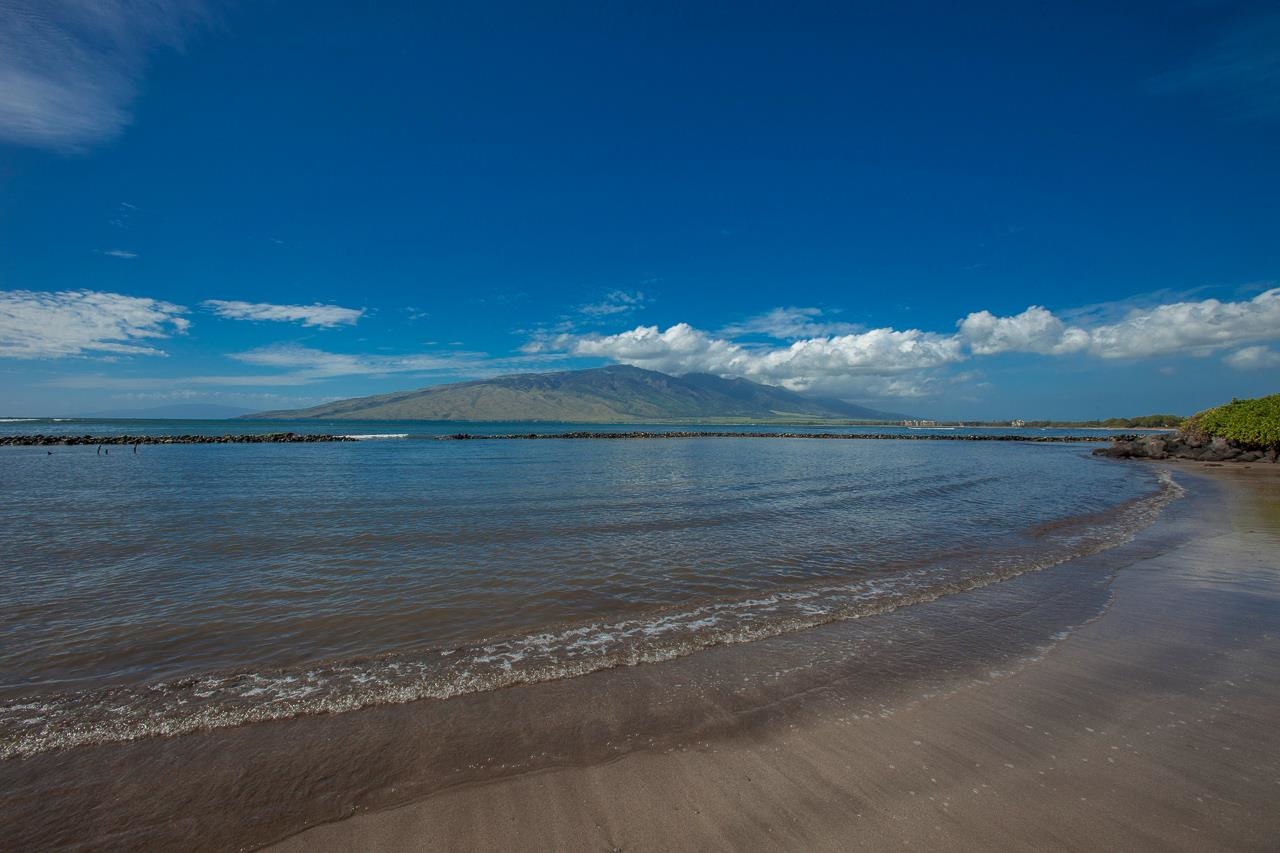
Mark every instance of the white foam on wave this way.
pixel 370 436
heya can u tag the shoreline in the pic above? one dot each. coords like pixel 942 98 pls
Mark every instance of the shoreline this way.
pixel 871 436
pixel 41 440
pixel 1152 726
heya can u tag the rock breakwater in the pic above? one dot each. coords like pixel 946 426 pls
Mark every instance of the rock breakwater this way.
pixel 260 438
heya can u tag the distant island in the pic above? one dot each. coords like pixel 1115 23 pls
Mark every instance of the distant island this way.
pixel 615 394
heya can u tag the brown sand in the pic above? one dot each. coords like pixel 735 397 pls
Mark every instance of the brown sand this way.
pixel 1155 727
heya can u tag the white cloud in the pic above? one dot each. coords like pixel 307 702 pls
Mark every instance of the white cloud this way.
pixel 680 349
pixel 69 70
pixel 615 302
pixel 1194 327
pixel 83 322
pixel 1254 358
pixel 120 253
pixel 321 316
pixel 788 324
pixel 903 363
pixel 1034 330
pixel 1190 327
pixel 812 363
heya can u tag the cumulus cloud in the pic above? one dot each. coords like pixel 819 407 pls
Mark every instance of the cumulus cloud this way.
pixel 1254 358
pixel 84 322
pixel 1034 330
pixel 890 362
pixel 803 364
pixel 1190 327
pixel 788 324
pixel 320 316
pixel 69 70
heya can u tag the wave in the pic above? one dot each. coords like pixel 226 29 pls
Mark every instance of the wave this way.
pixel 376 435
pixel 32 725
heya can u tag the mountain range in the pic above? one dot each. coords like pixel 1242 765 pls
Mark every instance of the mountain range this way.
pixel 614 394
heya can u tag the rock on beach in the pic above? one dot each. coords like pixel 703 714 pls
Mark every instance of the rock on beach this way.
pixel 1195 448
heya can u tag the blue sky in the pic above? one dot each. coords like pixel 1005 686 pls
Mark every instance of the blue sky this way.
pixel 1003 210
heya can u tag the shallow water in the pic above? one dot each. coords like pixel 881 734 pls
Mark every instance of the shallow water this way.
pixel 192 587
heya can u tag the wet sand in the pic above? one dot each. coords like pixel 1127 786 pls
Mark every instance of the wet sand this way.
pixel 1153 727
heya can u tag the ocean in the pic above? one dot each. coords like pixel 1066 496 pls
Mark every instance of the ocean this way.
pixel 187 588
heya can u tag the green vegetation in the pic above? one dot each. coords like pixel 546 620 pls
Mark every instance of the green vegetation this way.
pixel 615 394
pixel 1143 422
pixel 1253 423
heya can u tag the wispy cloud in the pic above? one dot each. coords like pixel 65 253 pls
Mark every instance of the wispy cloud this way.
pixel 123 215
pixel 252 399
pixel 317 315
pixel 292 365
pixel 615 302
pixel 69 70
pixel 120 253
pixel 1241 70
pixel 84 322
pixel 319 364
pixel 789 324
pixel 306 364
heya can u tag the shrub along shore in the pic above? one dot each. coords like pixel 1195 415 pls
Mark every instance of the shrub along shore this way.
pixel 1240 431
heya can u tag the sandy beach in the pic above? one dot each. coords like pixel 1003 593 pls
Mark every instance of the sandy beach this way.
pixel 1152 727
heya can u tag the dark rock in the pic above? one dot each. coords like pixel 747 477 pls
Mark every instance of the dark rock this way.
pixel 1194 448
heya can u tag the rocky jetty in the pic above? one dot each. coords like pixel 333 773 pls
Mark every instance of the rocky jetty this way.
pixel 1200 448
pixel 260 438
pixel 885 436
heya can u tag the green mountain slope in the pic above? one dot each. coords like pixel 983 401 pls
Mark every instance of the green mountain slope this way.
pixel 608 394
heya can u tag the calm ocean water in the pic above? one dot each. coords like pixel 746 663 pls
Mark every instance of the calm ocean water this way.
pixel 203 586
pixel 421 429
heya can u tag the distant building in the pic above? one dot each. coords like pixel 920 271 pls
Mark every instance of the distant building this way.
pixel 1017 423
pixel 919 423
